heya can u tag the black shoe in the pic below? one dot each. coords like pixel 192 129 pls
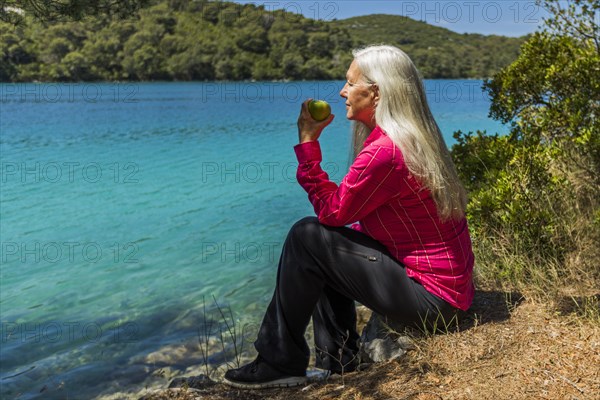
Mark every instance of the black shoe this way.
pixel 260 375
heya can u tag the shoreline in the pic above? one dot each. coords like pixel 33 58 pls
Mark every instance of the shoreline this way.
pixel 221 81
pixel 503 346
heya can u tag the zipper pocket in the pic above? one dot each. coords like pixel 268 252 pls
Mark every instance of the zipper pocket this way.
pixel 366 256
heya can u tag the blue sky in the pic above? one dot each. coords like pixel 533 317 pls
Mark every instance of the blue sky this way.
pixel 508 18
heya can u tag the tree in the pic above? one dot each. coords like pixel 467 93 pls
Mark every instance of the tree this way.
pixel 292 65
pixel 253 39
pixel 265 69
pixel 142 60
pixel 535 193
pixel 104 50
pixel 13 11
pixel 320 44
pixel 552 92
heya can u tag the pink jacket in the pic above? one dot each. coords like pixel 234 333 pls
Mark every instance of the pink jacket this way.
pixel 390 206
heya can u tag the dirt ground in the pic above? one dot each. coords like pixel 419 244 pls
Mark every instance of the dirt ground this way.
pixel 505 347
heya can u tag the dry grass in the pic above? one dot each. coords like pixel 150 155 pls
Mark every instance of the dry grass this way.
pixel 506 347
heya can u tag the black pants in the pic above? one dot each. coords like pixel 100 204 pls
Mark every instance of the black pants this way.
pixel 322 271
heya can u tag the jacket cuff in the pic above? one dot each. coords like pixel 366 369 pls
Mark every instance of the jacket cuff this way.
pixel 309 151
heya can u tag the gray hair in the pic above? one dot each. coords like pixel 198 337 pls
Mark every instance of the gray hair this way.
pixel 404 115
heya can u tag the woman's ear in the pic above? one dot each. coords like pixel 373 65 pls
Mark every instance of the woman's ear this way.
pixel 375 94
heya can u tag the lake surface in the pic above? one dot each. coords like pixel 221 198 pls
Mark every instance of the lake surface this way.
pixel 138 218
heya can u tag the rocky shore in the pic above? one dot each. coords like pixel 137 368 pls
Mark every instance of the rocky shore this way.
pixel 505 347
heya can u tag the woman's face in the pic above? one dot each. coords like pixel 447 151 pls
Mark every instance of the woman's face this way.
pixel 361 97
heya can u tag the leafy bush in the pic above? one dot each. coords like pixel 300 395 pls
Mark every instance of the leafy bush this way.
pixel 535 194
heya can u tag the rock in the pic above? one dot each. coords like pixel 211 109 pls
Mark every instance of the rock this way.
pixel 194 382
pixel 379 350
pixel 363 314
pixel 383 340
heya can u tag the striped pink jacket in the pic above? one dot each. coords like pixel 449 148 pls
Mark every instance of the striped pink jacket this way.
pixel 390 206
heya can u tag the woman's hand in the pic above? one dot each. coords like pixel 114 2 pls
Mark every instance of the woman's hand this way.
pixel 308 129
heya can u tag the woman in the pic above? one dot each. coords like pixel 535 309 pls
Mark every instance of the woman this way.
pixel 408 254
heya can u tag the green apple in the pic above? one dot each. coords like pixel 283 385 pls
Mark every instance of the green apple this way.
pixel 319 109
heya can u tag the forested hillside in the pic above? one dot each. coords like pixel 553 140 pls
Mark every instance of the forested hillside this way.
pixel 205 40
pixel 438 52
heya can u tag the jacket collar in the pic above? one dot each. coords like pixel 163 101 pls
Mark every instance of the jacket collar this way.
pixel 374 135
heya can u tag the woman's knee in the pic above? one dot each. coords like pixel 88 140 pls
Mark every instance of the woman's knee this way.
pixel 306 225
pixel 308 230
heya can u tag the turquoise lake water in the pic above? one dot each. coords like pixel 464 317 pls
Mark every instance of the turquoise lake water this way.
pixel 128 209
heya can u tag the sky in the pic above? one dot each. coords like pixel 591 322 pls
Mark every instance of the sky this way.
pixel 504 17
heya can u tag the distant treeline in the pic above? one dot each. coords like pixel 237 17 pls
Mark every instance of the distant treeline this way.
pixel 205 40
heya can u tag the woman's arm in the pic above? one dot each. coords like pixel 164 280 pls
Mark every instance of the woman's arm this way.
pixel 375 177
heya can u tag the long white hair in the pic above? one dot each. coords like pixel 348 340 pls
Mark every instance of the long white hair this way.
pixel 403 113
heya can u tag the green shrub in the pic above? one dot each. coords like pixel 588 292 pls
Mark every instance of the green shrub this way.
pixel 535 194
